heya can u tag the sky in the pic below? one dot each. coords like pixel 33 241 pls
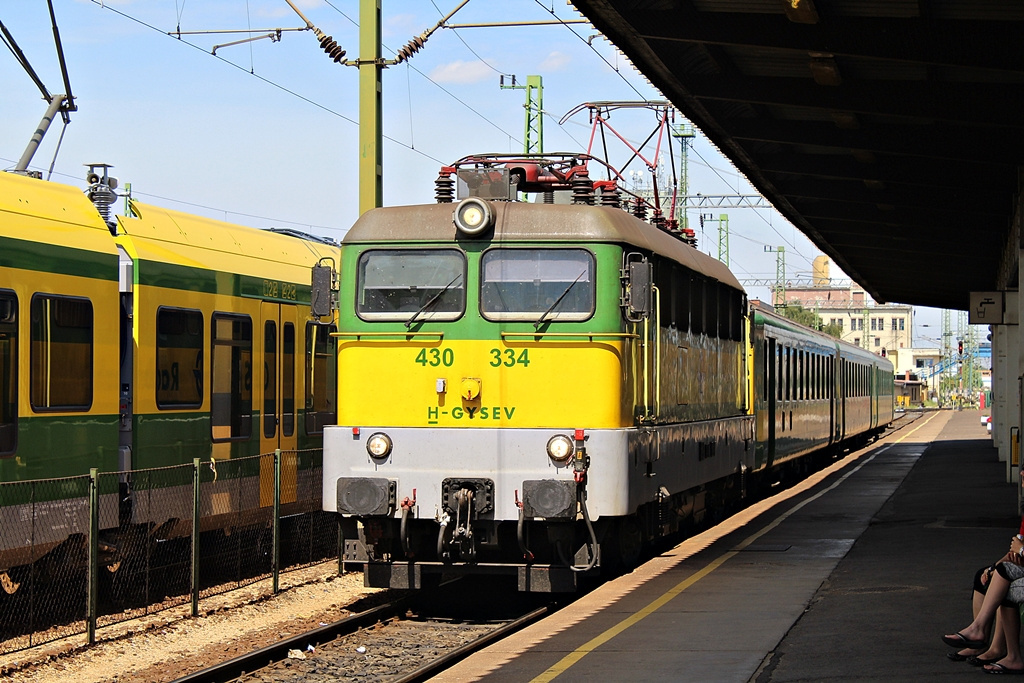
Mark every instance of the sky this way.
pixel 265 133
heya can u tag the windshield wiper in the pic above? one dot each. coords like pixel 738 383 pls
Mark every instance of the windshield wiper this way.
pixel 430 302
pixel 540 320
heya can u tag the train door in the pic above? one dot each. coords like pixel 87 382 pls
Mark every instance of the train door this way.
pixel 771 394
pixel 276 396
pixel 841 398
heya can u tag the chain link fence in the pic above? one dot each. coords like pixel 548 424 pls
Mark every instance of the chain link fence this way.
pixel 82 553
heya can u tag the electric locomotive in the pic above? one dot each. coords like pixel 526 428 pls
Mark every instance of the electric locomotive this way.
pixel 533 389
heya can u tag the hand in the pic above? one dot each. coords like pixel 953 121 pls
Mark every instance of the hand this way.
pixel 1016 545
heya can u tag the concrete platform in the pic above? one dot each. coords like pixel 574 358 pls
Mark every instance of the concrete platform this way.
pixel 853 575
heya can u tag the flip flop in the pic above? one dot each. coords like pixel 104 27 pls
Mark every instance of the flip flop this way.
pixel 1000 669
pixel 961 641
pixel 978 661
pixel 956 657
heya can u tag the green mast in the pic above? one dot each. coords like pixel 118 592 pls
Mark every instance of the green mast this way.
pixel 371 178
pixel 533 134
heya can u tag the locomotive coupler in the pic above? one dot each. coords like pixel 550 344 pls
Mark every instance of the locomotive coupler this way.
pixel 462 535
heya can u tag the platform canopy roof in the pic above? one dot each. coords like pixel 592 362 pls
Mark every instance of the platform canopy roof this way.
pixel 889 131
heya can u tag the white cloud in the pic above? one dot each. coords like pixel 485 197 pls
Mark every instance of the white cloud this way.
pixel 462 72
pixel 555 61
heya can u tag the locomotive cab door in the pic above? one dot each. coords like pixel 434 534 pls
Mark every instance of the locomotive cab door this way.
pixel 276 398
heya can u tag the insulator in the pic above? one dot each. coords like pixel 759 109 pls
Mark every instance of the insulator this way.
pixel 658 220
pixel 410 48
pixel 610 197
pixel 331 47
pixel 640 210
pixel 444 188
pixel 102 198
pixel 549 197
pixel 582 187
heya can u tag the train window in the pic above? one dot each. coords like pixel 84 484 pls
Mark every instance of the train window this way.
pixel 8 372
pixel 779 377
pixel 179 358
pixel 61 370
pixel 288 380
pixel 530 284
pixel 697 304
pixel 711 308
pixel 321 377
pixel 269 379
pixel 231 377
pixel 411 284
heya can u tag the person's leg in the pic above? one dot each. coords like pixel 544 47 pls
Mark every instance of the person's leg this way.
pixel 995 649
pixel 1010 618
pixel 978 629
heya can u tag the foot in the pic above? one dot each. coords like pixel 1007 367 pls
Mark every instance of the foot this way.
pixel 967 638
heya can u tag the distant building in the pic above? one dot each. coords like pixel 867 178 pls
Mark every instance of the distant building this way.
pixel 875 327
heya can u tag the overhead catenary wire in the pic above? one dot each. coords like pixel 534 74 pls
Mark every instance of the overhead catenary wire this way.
pixel 269 82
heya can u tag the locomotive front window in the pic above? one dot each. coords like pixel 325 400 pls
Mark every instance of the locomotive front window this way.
pixel 537 284
pixel 411 285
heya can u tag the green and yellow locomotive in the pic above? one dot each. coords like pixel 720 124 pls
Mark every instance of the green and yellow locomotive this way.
pixel 530 388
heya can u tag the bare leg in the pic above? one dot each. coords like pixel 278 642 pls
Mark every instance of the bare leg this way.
pixel 997 589
pixel 1010 618
pixel 995 650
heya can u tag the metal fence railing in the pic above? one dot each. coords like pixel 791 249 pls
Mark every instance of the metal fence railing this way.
pixel 81 553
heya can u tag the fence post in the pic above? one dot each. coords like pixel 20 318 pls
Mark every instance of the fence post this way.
pixel 94 555
pixel 195 536
pixel 341 545
pixel 276 543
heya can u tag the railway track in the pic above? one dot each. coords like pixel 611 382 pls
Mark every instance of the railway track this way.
pixel 410 638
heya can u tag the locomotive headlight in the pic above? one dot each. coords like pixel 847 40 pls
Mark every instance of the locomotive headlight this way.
pixel 379 445
pixel 560 448
pixel 473 215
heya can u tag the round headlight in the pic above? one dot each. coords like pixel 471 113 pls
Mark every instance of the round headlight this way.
pixel 473 215
pixel 560 448
pixel 379 445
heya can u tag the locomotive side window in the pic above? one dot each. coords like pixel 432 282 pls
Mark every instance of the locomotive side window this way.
pixel 179 358
pixel 535 284
pixel 8 372
pixel 411 284
pixel 231 377
pixel 321 377
pixel 61 357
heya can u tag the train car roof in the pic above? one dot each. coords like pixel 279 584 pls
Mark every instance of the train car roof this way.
pixel 520 221
pixel 54 214
pixel 775 320
pixel 173 237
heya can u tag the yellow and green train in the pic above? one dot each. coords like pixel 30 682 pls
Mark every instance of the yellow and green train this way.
pixel 129 343
pixel 538 389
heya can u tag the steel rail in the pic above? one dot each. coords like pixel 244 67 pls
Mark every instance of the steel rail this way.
pixel 451 658
pixel 258 659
